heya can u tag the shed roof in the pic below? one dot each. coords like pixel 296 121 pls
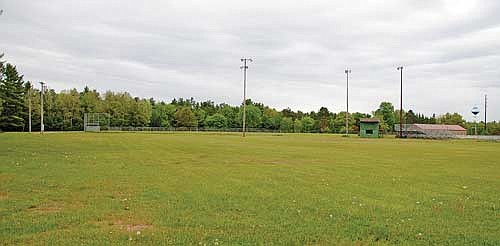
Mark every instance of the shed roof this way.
pixel 440 127
pixel 369 120
pixel 429 127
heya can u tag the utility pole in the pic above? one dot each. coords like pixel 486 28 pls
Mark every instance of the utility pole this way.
pixel 42 85
pixel 401 105
pixel 244 67
pixel 29 108
pixel 347 72
pixel 485 107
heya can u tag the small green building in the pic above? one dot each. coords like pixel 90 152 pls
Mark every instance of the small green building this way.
pixel 368 128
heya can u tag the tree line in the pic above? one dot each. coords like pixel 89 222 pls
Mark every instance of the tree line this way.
pixel 64 111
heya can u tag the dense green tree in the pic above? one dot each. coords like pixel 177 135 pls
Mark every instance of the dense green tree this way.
pixel 53 117
pixel 323 113
pixel 208 107
pixel 230 113
pixel 216 120
pixel 339 122
pixel 200 114
pixel 324 125
pixel 286 124
pixel 68 102
pixel 90 101
pixel 271 118
pixel 253 116
pixel 119 106
pixel 307 124
pixel 451 119
pixel 141 111
pixel 297 126
pixel 386 113
pixel 288 113
pixel 185 117
pixel 12 94
pixel 162 115
pixel 411 118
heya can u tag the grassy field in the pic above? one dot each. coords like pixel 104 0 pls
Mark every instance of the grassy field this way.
pixel 221 189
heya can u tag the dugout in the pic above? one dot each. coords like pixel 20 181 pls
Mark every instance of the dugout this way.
pixel 369 128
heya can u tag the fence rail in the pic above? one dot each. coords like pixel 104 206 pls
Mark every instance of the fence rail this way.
pixel 195 129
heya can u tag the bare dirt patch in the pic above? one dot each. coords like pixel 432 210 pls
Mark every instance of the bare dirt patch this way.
pixel 3 196
pixel 131 227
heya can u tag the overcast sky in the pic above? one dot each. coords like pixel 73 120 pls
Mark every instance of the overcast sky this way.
pixel 450 50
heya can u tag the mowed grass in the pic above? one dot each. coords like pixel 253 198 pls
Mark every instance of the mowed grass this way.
pixel 265 189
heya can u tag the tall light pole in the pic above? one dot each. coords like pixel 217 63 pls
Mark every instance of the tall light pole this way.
pixel 245 67
pixel 347 72
pixel 43 87
pixel 485 110
pixel 29 107
pixel 401 105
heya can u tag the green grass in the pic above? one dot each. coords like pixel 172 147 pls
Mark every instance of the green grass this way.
pixel 77 188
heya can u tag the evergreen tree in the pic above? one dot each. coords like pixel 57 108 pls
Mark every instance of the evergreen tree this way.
pixel 12 94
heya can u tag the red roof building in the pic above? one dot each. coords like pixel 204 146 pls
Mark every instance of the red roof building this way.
pixel 431 130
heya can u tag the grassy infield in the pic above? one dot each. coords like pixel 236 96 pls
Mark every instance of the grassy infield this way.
pixel 221 189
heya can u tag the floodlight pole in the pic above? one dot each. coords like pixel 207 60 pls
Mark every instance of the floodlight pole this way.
pixel 29 108
pixel 401 105
pixel 347 72
pixel 244 67
pixel 42 85
pixel 485 107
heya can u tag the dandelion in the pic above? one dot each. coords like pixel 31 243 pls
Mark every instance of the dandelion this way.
pixel 331 215
pixel 130 238
pixel 465 187
pixel 417 202
pixel 138 233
